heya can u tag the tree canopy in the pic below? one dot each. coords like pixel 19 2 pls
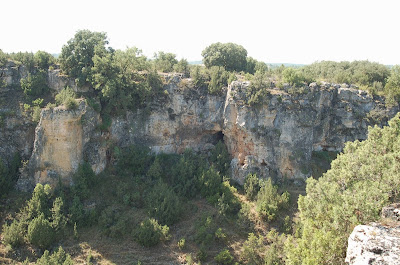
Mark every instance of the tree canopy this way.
pixel 77 55
pixel 231 56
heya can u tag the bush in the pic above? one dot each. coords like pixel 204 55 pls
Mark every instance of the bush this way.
pixel 58 257
pixel 163 204
pixel 253 249
pixel 40 232
pixel 269 202
pixel 13 234
pixel 224 257
pixel 205 231
pixel 34 84
pixel 220 158
pixel 67 97
pixel 150 233
pixel 211 184
pixel 218 79
pixel 251 186
pixel 83 179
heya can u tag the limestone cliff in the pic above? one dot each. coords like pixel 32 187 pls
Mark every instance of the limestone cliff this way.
pixel 276 139
pixel 63 140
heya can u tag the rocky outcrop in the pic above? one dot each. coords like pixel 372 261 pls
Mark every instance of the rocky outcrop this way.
pixel 183 118
pixel 278 138
pixel 376 243
pixel 63 140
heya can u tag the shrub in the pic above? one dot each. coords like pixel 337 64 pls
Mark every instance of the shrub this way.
pixel 220 158
pixel 36 113
pixel 58 257
pixel 181 243
pixel 34 84
pixel 67 97
pixel 269 202
pixel 205 231
pixel 218 79
pixel 83 179
pixel 253 249
pixel 224 257
pixel 210 184
pixel 251 186
pixel 150 233
pixel 163 204
pixel 40 232
pixel 59 220
pixel 13 234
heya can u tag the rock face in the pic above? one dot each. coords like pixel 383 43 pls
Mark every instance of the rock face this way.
pixel 376 243
pixel 63 140
pixel 277 139
pixel 184 118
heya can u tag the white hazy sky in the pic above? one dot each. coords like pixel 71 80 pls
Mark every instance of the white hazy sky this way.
pixel 291 31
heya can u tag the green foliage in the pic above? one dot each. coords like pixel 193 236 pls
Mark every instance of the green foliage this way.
pixel 150 233
pixel 58 257
pixel 228 55
pixel 224 257
pixel 197 76
pixel 40 232
pixel 185 174
pixel 163 204
pixel 58 215
pixel 211 182
pixel 256 92
pixel 361 181
pixel 43 60
pixel 392 87
pixel 269 202
pixel 181 243
pixel 218 79
pixel 36 113
pixel 24 58
pixel 3 58
pixel 253 249
pixel 182 67
pixel 76 56
pixel 39 203
pixel 205 231
pixel 35 84
pixel 363 73
pixel 251 186
pixel 76 211
pixel 165 62
pixel 83 179
pixel 294 77
pixel 67 97
pixel 13 234
pixel 220 158
pixel 134 161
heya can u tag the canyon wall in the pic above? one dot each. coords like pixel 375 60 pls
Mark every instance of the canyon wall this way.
pixel 278 138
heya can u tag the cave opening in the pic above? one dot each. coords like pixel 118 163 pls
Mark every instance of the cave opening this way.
pixel 219 136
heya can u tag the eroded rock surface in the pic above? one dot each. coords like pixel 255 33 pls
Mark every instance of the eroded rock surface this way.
pixel 376 243
pixel 63 140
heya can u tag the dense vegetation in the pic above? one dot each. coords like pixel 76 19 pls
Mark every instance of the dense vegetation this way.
pixel 363 179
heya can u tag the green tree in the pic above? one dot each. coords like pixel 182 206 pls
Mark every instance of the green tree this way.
pixel 76 56
pixel 165 61
pixel 150 233
pixel 362 179
pixel 228 55
pixel 3 58
pixel 218 79
pixel 6 183
pixel 35 84
pixel 40 232
pixel 43 60
pixel 182 67
pixel 392 87
pixel 163 204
